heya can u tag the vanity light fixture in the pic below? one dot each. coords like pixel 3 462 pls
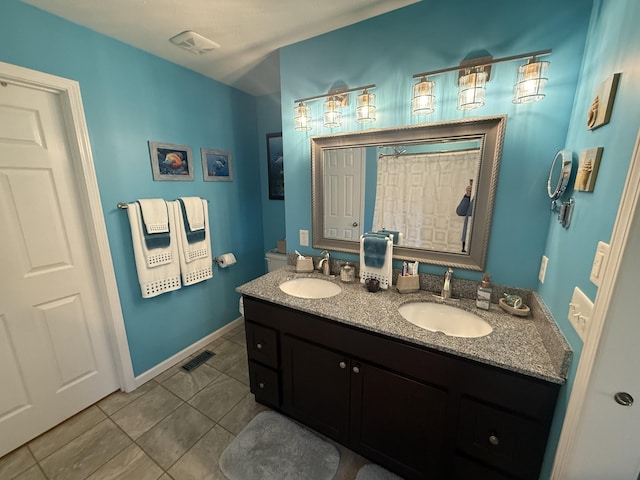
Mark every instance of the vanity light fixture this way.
pixel 472 88
pixel 532 77
pixel 336 99
pixel 473 76
pixel 301 117
pixel 423 97
pixel 332 116
pixel 366 107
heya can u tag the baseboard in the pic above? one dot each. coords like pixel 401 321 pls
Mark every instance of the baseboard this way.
pixel 181 355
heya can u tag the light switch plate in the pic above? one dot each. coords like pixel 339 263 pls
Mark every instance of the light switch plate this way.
pixel 543 268
pixel 304 238
pixel 580 313
pixel 599 263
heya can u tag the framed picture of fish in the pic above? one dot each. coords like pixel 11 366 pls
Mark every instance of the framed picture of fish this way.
pixel 217 165
pixel 171 162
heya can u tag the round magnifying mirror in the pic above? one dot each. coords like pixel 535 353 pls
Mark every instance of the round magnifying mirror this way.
pixel 559 174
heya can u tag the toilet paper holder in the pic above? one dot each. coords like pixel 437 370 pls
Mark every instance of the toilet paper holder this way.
pixel 225 260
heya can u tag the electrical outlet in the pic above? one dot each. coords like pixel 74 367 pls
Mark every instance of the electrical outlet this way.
pixel 304 238
pixel 580 312
pixel 543 269
pixel 599 263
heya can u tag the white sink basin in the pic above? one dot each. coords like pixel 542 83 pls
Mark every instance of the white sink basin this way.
pixel 310 288
pixel 452 321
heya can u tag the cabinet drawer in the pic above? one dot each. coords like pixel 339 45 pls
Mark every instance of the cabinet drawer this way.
pixel 510 442
pixel 265 384
pixel 262 344
pixel 465 468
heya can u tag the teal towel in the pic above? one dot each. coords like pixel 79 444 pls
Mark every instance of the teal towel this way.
pixel 375 249
pixel 396 235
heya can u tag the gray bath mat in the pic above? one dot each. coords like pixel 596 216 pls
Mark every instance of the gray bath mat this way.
pixel 375 472
pixel 272 447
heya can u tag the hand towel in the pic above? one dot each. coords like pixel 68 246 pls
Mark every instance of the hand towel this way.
pixel 155 222
pixel 194 211
pixel 375 249
pixel 154 215
pixel 193 236
pixel 195 258
pixel 158 272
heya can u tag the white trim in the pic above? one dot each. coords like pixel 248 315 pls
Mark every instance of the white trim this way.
pixel 82 158
pixel 181 355
pixel 619 236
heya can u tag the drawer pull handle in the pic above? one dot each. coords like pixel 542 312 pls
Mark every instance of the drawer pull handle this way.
pixel 259 346
pixel 261 385
pixel 494 440
pixel 356 370
pixel 342 365
pixel 623 398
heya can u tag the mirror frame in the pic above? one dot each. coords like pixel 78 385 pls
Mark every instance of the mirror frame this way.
pixel 490 129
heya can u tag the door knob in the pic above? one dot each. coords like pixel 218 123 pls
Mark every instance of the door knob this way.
pixel 623 398
pixel 342 365
pixel 354 224
pixel 356 370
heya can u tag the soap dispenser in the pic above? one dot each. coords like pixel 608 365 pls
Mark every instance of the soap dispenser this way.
pixel 483 298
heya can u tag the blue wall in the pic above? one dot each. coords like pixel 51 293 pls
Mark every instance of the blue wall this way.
pixel 131 97
pixel 269 121
pixel 613 46
pixel 389 49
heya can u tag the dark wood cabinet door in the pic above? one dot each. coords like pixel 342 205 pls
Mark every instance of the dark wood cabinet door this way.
pixel 399 422
pixel 315 385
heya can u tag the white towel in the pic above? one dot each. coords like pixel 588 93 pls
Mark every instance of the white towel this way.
pixel 195 213
pixel 163 275
pixel 195 258
pixel 154 214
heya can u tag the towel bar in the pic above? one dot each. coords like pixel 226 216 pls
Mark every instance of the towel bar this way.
pixel 125 205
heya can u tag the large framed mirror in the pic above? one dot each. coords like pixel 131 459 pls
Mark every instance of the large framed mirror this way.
pixel 433 185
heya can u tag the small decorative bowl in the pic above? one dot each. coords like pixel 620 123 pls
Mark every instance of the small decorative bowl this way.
pixel 373 285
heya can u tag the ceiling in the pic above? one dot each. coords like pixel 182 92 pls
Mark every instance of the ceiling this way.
pixel 249 32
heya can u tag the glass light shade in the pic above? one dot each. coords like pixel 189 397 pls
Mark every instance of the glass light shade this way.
pixel 366 108
pixel 301 117
pixel 532 77
pixel 423 98
pixel 332 115
pixel 471 90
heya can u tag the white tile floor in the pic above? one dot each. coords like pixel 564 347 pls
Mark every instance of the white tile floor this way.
pixel 173 427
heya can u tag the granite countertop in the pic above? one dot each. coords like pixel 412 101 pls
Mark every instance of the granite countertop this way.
pixel 532 346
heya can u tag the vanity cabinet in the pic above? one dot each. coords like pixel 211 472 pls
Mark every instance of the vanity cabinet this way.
pixel 413 410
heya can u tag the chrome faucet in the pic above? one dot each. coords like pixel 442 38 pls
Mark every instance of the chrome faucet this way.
pixel 446 287
pixel 325 263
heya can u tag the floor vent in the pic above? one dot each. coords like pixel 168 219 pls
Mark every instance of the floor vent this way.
pixel 198 360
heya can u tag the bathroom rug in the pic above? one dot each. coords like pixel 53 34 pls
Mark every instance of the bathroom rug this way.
pixel 273 447
pixel 372 471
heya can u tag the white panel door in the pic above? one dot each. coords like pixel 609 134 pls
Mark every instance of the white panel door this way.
pixel 55 357
pixel 343 193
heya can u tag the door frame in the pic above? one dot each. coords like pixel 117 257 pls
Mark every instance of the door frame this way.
pixel 87 183
pixel 589 357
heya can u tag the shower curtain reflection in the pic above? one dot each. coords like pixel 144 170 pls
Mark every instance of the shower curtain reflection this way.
pixel 417 194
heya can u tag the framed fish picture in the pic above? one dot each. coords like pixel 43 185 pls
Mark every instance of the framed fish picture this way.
pixel 216 165
pixel 171 162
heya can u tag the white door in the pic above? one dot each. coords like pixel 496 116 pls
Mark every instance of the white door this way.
pixel 343 193
pixel 601 437
pixel 55 357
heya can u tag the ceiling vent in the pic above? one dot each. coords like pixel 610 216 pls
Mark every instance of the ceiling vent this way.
pixel 194 42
